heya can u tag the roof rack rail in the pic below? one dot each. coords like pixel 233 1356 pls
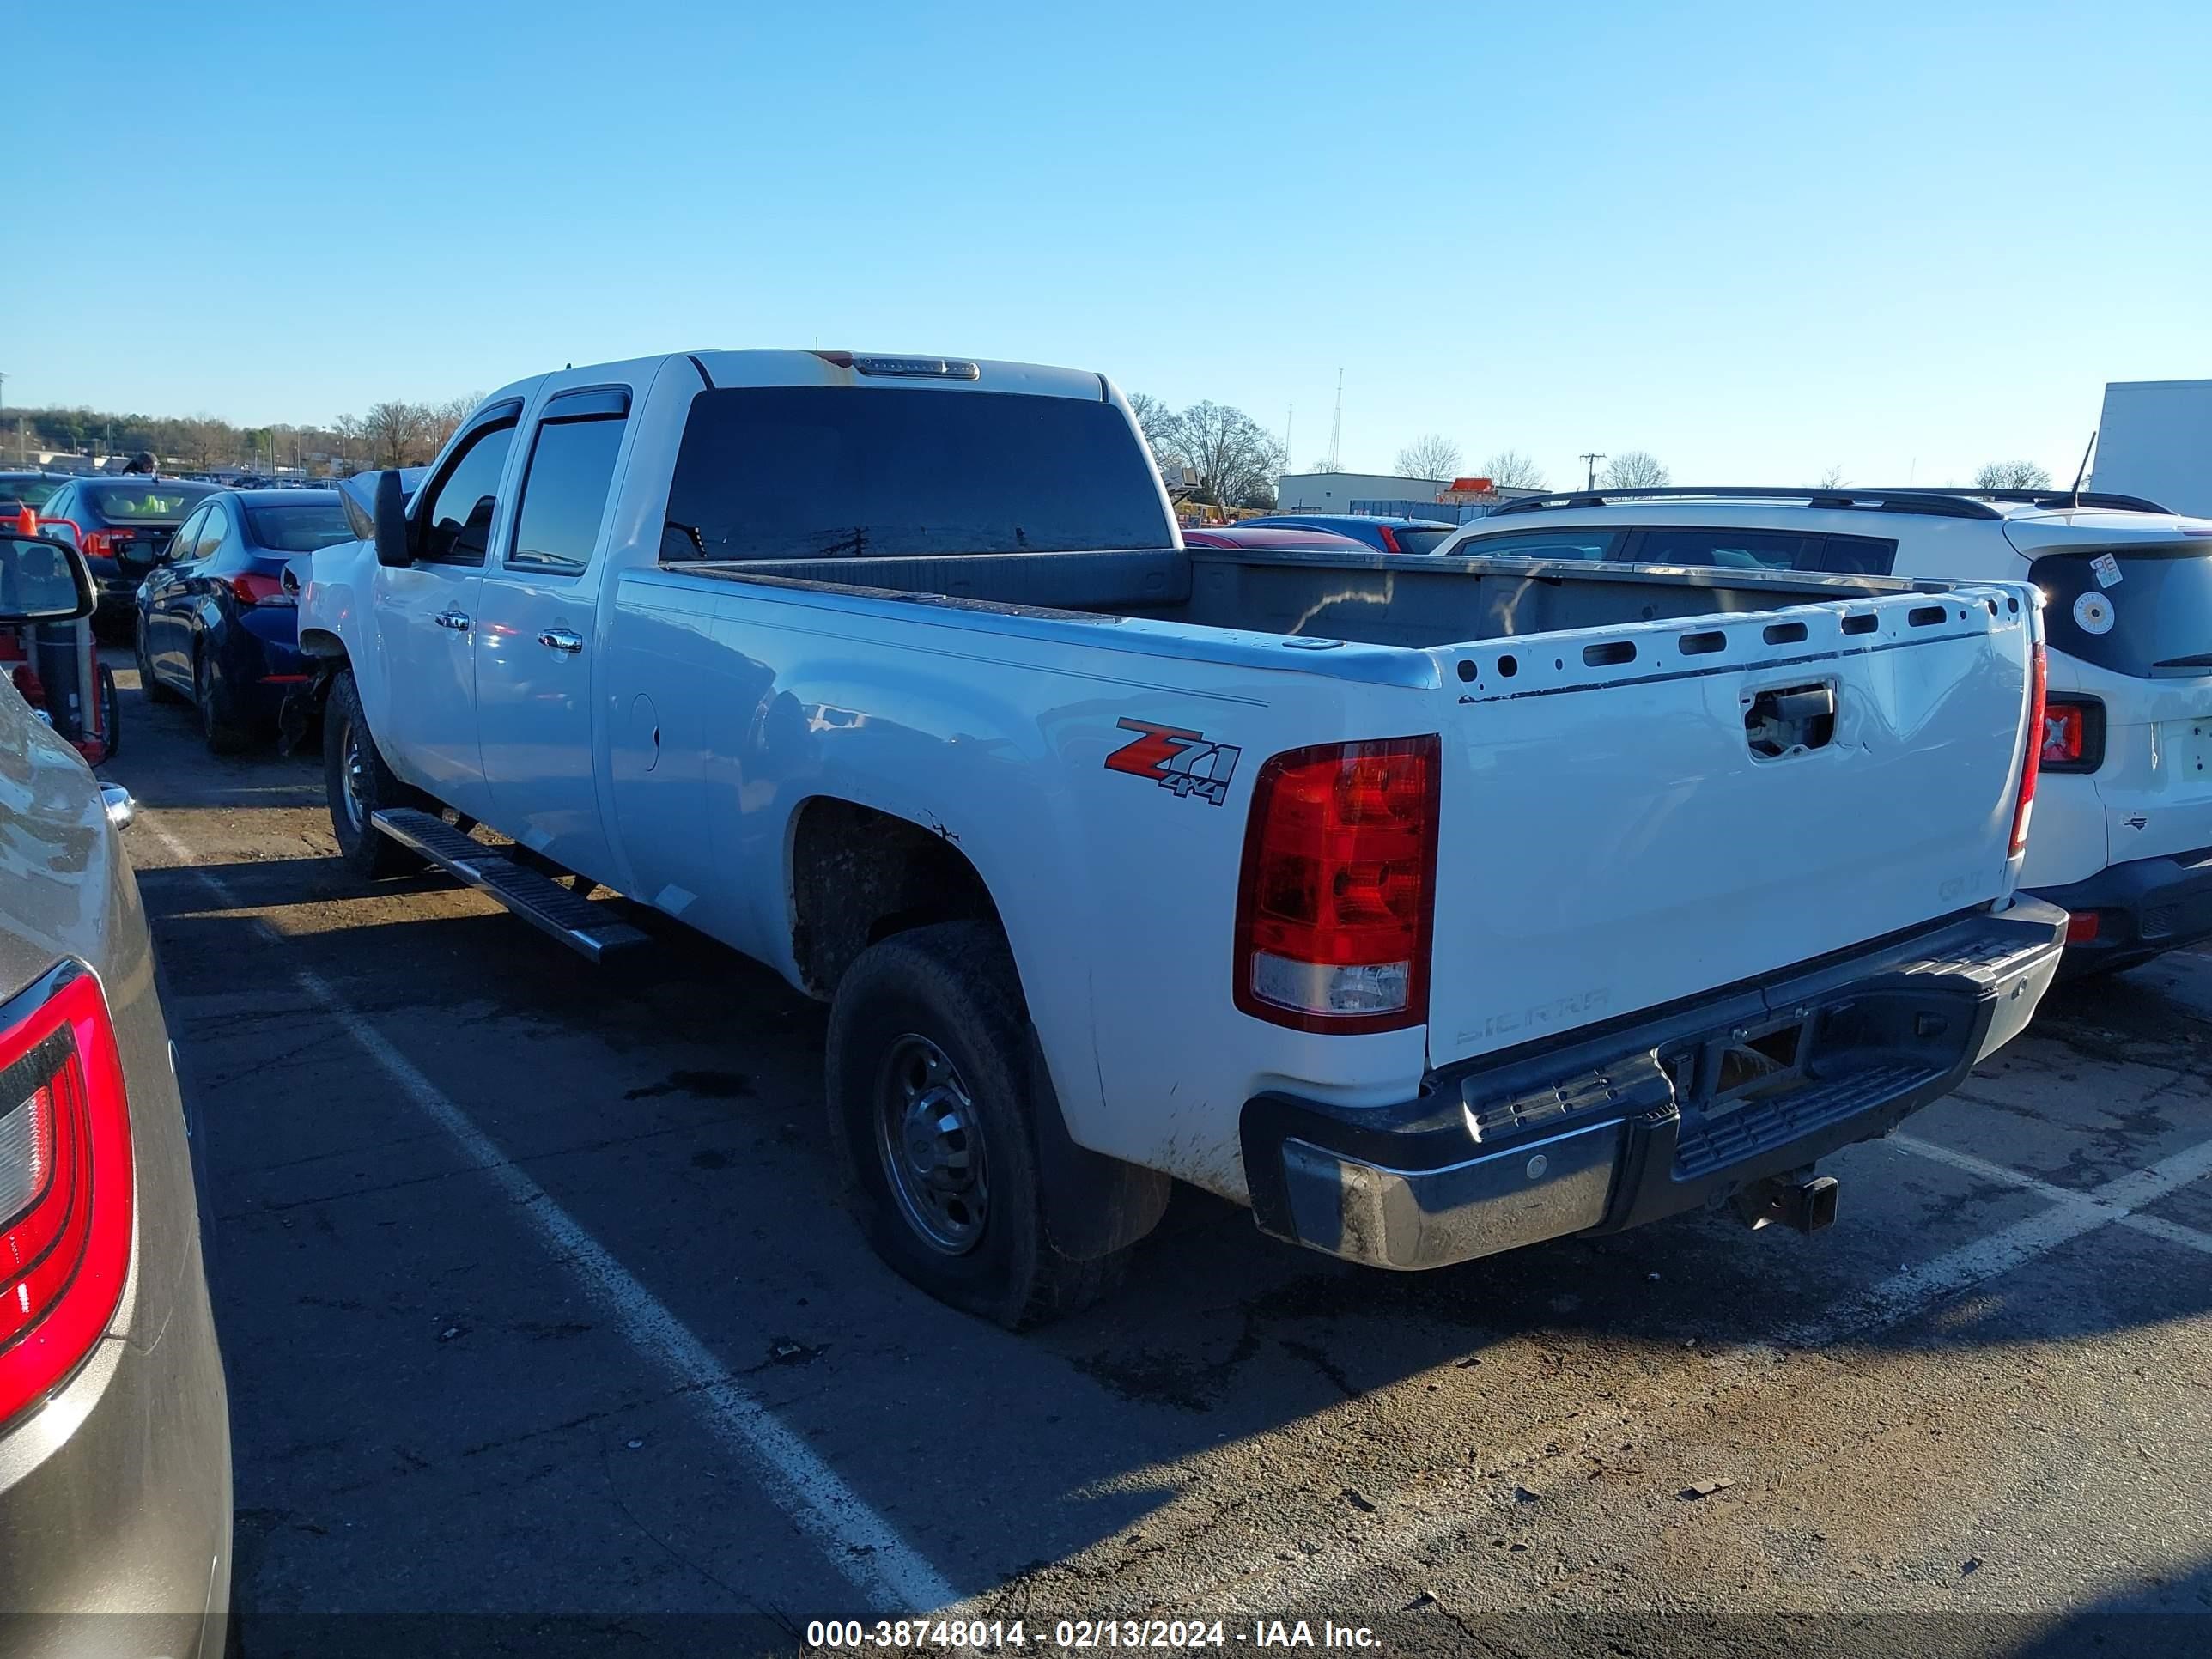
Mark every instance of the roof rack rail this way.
pixel 1961 503
pixel 2054 497
pixel 1935 502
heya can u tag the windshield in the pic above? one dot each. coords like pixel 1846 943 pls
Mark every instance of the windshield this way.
pixel 298 529
pixel 32 492
pixel 156 501
pixel 811 472
pixel 2131 610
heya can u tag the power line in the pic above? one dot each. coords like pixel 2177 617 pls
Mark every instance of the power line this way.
pixel 1592 457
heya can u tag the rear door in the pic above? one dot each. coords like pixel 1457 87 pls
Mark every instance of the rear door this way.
pixel 426 616
pixel 1636 814
pixel 165 632
pixel 538 638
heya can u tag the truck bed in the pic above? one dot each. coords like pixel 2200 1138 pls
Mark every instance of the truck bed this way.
pixel 1377 598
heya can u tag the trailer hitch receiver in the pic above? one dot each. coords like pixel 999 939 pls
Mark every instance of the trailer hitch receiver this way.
pixel 1803 1201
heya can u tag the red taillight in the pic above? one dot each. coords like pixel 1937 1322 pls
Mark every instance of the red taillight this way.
pixel 106 543
pixel 1390 538
pixel 1339 887
pixel 2065 726
pixel 2081 926
pixel 65 1183
pixel 2033 762
pixel 250 588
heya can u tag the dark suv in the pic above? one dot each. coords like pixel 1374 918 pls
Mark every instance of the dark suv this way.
pixel 122 525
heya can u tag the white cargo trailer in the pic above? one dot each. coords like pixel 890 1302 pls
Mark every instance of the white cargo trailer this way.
pixel 2155 440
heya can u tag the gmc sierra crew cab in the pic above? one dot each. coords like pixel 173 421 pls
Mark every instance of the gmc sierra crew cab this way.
pixel 1430 909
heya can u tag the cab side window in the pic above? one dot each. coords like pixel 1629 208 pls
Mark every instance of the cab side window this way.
pixel 565 487
pixel 457 519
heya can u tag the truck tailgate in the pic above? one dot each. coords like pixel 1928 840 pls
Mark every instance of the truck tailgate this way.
pixel 1638 813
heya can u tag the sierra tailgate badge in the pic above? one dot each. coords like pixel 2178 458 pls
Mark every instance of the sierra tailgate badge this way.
pixel 1176 759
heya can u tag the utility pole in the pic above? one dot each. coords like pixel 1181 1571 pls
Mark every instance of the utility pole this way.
pixel 1290 414
pixel 1591 458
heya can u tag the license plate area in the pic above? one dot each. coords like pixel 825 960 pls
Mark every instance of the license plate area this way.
pixel 1727 1071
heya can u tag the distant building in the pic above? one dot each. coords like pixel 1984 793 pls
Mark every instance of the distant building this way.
pixel 1335 492
pixel 1384 495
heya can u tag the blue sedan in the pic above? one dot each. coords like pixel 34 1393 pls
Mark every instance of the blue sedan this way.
pixel 1391 535
pixel 218 622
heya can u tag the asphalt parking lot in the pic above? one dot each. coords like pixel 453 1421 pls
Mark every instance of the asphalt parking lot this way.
pixel 537 1300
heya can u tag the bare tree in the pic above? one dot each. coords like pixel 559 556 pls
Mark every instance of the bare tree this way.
pixel 1634 469
pixel 2012 474
pixel 1431 455
pixel 1154 419
pixel 1834 479
pixel 398 433
pixel 441 419
pixel 1508 469
pixel 1234 458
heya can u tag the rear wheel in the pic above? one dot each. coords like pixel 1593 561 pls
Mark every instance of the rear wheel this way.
pixel 358 784
pixel 147 681
pixel 930 1113
pixel 225 734
pixel 111 713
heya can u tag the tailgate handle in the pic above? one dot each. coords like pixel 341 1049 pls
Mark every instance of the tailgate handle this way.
pixel 1790 720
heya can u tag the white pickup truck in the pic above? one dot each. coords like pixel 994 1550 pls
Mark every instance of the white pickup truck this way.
pixel 1430 909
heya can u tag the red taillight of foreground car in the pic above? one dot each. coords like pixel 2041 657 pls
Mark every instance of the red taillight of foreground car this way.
pixel 106 543
pixel 65 1183
pixel 2032 763
pixel 248 587
pixel 1334 905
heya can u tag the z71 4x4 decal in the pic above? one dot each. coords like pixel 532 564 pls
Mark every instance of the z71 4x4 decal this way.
pixel 1175 759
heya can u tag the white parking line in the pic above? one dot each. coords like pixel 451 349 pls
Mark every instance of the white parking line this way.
pixel 865 1547
pixel 1427 1514
pixel 2119 1214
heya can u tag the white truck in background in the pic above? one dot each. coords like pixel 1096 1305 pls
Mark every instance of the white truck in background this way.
pixel 2154 441
pixel 1429 908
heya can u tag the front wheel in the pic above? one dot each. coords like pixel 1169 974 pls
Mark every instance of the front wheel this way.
pixel 930 1113
pixel 358 784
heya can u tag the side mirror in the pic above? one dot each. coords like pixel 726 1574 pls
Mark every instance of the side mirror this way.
pixel 43 580
pixel 392 547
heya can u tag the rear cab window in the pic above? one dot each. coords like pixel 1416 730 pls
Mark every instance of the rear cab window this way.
pixel 825 472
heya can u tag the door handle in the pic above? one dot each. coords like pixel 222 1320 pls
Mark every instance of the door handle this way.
pixel 561 639
pixel 453 619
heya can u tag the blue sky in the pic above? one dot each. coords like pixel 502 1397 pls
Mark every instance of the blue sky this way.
pixel 1756 240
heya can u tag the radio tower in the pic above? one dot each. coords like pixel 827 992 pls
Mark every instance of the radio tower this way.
pixel 1336 428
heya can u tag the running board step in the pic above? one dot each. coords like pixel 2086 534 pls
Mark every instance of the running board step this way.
pixel 583 927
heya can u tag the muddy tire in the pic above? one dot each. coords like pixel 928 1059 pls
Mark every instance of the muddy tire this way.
pixel 930 1113
pixel 359 783
pixel 225 733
